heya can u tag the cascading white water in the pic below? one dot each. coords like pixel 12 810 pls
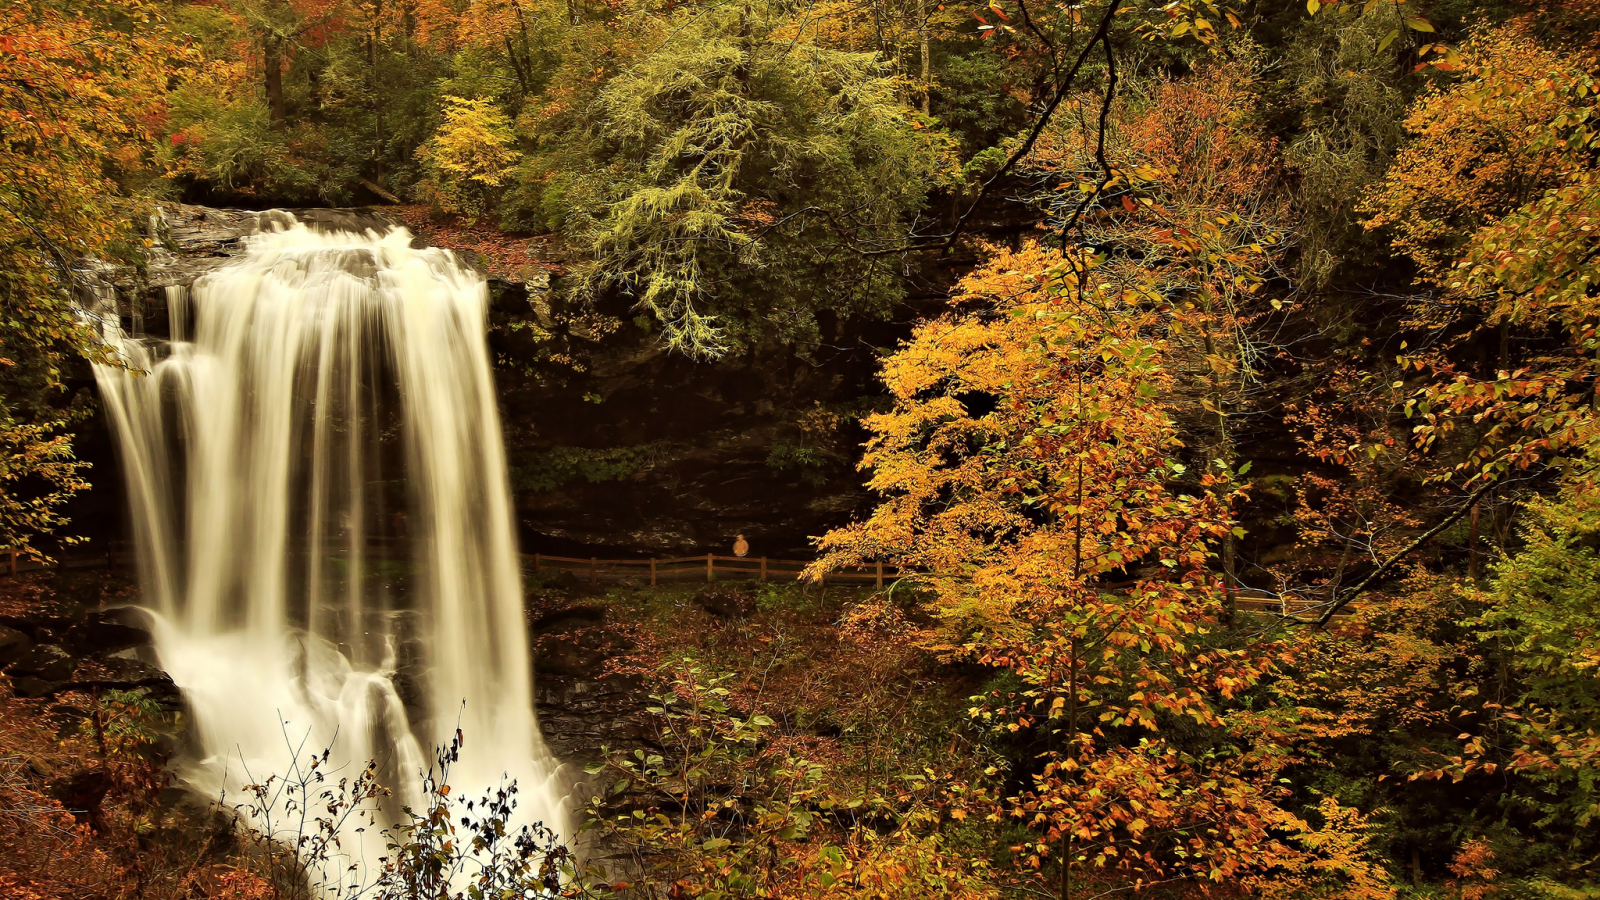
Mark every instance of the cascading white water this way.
pixel 323 518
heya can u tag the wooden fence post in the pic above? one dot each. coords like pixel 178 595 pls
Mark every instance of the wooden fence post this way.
pixel 13 563
pixel 652 573
pixel 536 564
pixel 763 568
pixel 710 570
pixel 880 573
pixel 594 570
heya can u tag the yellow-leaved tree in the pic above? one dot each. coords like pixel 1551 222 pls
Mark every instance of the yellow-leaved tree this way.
pixel 80 98
pixel 1029 469
pixel 468 159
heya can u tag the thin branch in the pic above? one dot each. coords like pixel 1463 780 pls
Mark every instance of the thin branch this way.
pixel 1099 150
pixel 1101 35
pixel 1344 598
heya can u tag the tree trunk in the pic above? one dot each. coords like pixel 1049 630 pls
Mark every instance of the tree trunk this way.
pixel 1221 451
pixel 272 64
pixel 1472 547
pixel 927 64
pixel 373 40
pixel 314 95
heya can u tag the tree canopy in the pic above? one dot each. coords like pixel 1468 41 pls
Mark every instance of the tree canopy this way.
pixel 1237 438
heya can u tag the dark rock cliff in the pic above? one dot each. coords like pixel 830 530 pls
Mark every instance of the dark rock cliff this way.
pixel 620 447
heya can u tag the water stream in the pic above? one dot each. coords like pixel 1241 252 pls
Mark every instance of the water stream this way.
pixel 323 519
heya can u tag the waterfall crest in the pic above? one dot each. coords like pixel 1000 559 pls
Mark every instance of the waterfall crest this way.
pixel 323 518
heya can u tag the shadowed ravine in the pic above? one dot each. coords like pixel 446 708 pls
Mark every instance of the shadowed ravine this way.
pixel 319 493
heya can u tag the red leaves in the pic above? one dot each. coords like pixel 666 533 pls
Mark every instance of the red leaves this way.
pixel 508 257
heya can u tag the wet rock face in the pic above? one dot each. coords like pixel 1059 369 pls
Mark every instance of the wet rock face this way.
pixel 648 453
pixel 45 662
pixel 190 241
pixel 109 632
pixel 13 645
pixel 618 446
pixel 582 705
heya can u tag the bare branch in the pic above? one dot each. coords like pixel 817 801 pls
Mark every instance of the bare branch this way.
pixel 1344 598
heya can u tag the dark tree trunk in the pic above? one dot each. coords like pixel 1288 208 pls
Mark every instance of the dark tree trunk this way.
pixel 272 63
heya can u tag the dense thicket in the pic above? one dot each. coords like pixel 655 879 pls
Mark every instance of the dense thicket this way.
pixel 1253 459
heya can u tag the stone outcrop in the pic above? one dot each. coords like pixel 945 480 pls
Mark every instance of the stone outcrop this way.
pixel 582 701
pixel 619 448
pixel 60 644
pixel 52 646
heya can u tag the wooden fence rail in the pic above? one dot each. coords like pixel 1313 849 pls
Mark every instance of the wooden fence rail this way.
pixel 761 568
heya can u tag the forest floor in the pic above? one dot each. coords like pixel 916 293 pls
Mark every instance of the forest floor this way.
pixel 90 811
pixel 838 689
pixel 87 808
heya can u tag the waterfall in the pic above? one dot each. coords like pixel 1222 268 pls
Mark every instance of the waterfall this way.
pixel 323 519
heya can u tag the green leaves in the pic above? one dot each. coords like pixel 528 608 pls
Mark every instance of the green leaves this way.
pixel 713 762
pixel 734 184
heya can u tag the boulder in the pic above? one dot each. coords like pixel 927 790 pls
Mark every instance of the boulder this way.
pixel 34 688
pixel 583 706
pixel 570 659
pixel 568 582
pixel 101 633
pixel 54 615
pixel 569 618
pixel 49 662
pixel 122 673
pixel 82 793
pixel 13 645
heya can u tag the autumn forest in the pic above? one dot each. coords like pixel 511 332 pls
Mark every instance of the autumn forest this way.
pixel 1216 381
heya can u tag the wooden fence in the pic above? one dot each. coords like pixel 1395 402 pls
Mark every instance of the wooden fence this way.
pixel 706 568
pixel 710 567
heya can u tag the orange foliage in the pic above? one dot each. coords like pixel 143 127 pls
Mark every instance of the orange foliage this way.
pixel 1497 200
pixel 1472 158
pixel 1339 864
pixel 1474 871
pixel 45 852
pixel 1354 508
pixel 1028 466
pixel 80 103
pixel 1187 203
pixel 1384 673
pixel 1192 198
